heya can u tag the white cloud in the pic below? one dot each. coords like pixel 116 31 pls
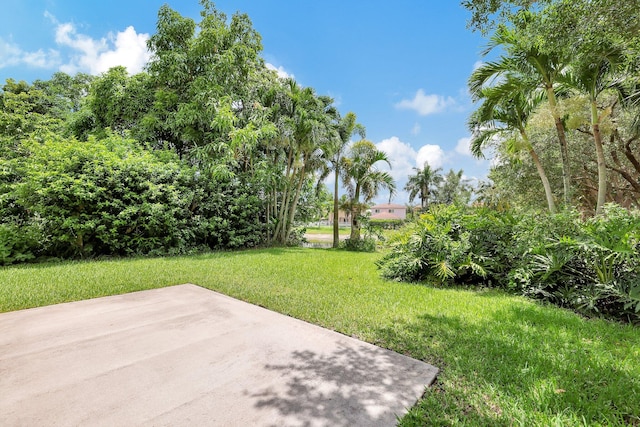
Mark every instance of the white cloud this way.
pixel 126 48
pixel 80 52
pixel 416 129
pixel 425 104
pixel 282 73
pixel 11 55
pixel 433 155
pixel 401 156
pixel 41 59
pixel 463 146
pixel 404 158
pixel 130 51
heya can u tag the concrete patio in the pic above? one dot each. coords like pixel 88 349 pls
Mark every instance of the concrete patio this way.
pixel 185 355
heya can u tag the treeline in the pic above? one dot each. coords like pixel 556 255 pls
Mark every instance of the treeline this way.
pixel 205 149
pixel 560 103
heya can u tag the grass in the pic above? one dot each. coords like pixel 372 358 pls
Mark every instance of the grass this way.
pixel 504 360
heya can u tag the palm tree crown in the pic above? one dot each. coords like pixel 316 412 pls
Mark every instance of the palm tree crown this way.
pixel 361 177
pixel 421 184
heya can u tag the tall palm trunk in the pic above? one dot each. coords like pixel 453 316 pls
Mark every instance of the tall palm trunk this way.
pixel 545 181
pixel 602 167
pixel 355 215
pixel 543 176
pixel 336 216
pixel 425 200
pixel 562 141
pixel 294 204
pixel 284 206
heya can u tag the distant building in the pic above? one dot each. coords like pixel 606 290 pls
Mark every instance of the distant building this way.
pixel 344 218
pixel 389 211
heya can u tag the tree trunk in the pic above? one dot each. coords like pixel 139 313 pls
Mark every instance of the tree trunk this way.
pixel 545 181
pixel 562 140
pixel 294 204
pixel 426 201
pixel 285 200
pixel 541 172
pixel 282 225
pixel 336 216
pixel 355 215
pixel 273 214
pixel 630 156
pixel 602 167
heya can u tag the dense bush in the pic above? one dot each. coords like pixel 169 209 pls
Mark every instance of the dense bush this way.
pixel 438 247
pixel 365 244
pixel 591 266
pixel 17 243
pixel 66 199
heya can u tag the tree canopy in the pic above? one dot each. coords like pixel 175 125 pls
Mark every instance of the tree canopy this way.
pixel 583 56
pixel 206 135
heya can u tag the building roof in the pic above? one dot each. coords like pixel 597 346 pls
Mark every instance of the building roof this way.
pixel 389 206
pixel 385 216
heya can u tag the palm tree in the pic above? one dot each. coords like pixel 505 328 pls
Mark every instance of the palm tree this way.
pixel 362 178
pixel 421 184
pixel 535 69
pixel 591 77
pixel 345 128
pixel 303 127
pixel 504 111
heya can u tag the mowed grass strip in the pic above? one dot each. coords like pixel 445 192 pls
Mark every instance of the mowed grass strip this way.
pixel 504 360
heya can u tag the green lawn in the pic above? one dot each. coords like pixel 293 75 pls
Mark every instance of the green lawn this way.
pixel 504 360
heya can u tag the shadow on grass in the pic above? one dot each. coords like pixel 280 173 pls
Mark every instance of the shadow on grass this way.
pixel 524 364
pixel 352 386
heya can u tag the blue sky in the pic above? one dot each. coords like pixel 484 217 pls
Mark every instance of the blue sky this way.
pixel 401 66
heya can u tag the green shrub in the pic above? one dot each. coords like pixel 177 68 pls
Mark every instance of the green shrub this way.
pixel 436 247
pixel 595 269
pixel 591 266
pixel 17 243
pixel 112 197
pixel 365 244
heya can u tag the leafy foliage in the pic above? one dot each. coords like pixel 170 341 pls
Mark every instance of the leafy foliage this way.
pixel 111 197
pixel 589 266
pixel 452 189
pixel 594 271
pixel 582 54
pixel 220 152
